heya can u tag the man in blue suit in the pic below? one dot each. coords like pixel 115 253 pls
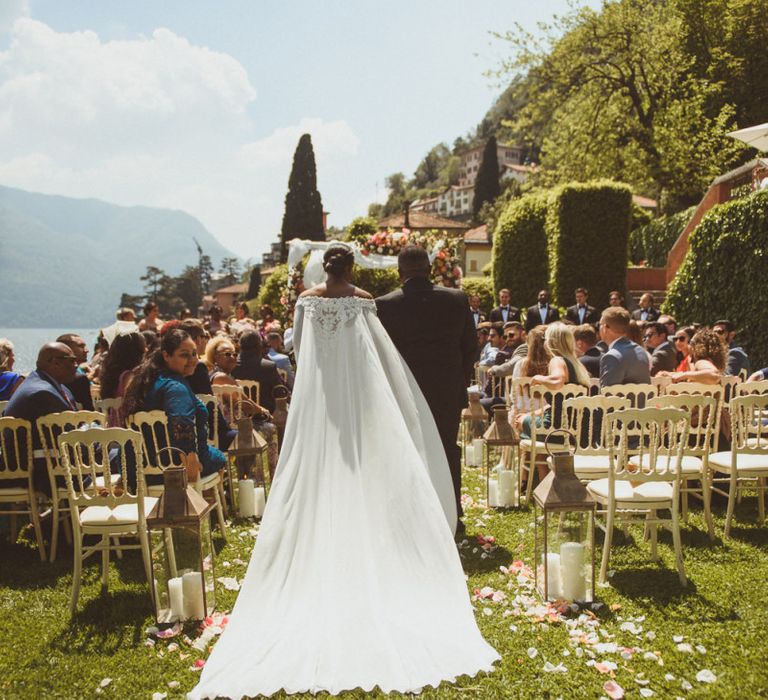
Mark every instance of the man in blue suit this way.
pixel 41 393
pixel 625 362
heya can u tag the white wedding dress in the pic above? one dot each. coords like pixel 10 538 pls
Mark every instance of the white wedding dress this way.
pixel 355 580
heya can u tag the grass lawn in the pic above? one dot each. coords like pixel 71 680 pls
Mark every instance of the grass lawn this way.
pixel 658 634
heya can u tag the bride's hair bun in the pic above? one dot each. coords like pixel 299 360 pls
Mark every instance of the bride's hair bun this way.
pixel 337 259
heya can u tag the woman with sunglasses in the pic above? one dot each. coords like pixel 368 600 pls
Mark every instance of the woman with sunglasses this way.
pixel 707 358
pixel 682 343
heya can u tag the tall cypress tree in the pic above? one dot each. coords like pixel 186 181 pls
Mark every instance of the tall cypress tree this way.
pixel 487 181
pixel 303 217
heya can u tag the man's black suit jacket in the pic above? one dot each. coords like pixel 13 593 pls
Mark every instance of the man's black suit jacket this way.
pixel 591 315
pixel 251 365
pixel 533 317
pixel 479 318
pixel 497 317
pixel 591 361
pixel 652 314
pixel 433 330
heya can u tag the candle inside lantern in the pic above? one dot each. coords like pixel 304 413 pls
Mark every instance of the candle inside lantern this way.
pixel 260 501
pixel 176 595
pixel 553 576
pixel 572 574
pixel 246 498
pixel 507 487
pixel 493 493
pixel 477 452
pixel 194 606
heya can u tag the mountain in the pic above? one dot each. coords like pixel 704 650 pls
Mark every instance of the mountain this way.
pixel 65 262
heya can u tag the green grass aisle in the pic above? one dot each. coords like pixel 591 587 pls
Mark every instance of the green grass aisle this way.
pixel 650 637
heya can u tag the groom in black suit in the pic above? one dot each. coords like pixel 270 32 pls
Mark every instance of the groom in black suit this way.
pixel 433 330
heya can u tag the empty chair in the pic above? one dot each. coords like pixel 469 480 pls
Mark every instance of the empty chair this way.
pixel 108 511
pixel 252 389
pixel 747 460
pixel 643 479
pixel 746 388
pixel 112 409
pixel 16 489
pixel 50 428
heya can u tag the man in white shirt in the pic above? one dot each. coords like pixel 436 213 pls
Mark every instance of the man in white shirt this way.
pixel 495 341
pixel 282 361
pixel 504 312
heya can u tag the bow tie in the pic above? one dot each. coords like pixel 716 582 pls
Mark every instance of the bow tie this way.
pixel 542 306
pixel 582 308
pixel 505 308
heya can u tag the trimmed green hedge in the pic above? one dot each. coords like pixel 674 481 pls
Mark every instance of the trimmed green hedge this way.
pixel 482 287
pixel 587 231
pixel 377 282
pixel 651 243
pixel 724 273
pixel 270 291
pixel 520 249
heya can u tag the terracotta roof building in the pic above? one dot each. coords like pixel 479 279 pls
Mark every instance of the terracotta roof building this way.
pixel 422 221
pixel 477 251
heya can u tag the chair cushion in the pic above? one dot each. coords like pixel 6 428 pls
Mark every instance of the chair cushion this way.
pixel 125 514
pixel 744 463
pixel 690 464
pixel 649 491
pixel 590 464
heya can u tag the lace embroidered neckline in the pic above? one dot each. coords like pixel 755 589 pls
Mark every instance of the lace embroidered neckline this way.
pixel 329 315
pixel 350 301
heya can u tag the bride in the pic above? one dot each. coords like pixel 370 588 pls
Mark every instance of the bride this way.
pixel 354 581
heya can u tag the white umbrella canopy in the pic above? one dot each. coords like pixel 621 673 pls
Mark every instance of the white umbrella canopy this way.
pixel 753 136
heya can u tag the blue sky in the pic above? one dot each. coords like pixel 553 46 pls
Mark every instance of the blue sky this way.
pixel 198 105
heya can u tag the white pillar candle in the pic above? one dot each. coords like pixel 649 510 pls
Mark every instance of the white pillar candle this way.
pixel 572 573
pixel 507 487
pixel 194 608
pixel 176 596
pixel 469 452
pixel 477 452
pixel 260 501
pixel 493 493
pixel 553 576
pixel 246 498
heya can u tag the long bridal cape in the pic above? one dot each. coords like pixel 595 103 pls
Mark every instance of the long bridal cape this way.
pixel 354 580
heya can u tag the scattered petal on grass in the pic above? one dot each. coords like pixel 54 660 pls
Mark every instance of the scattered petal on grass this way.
pixel 604 667
pixel 646 692
pixel 159 696
pixel 173 646
pixel 613 690
pixel 230 583
pixel 701 649
pixel 173 684
pixel 487 612
pixel 168 633
pixel 706 676
pixel 551 668
pixel 678 638
pixel 105 682
pixel 685 648
pixel 533 652
pixel 669 677
pixel 685 685
pixel 650 635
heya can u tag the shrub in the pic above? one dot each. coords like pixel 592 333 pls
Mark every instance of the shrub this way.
pixel 640 217
pixel 482 287
pixel 651 243
pixel 723 274
pixel 361 228
pixel 271 291
pixel 377 282
pixel 520 249
pixel 587 231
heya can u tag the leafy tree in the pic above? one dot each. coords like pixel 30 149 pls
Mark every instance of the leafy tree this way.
pixel 303 217
pixel 230 268
pixel 361 228
pixel 131 301
pixel 611 93
pixel 187 288
pixel 205 271
pixel 153 279
pixel 487 182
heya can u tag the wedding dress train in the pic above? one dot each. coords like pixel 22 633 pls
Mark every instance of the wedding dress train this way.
pixel 354 580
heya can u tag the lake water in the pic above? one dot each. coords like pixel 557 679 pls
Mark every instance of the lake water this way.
pixel 28 341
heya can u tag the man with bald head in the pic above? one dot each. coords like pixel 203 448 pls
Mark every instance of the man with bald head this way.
pixel 434 331
pixel 44 392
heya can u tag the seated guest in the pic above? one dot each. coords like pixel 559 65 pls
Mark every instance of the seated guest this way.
pixel 9 380
pixel 581 312
pixel 663 355
pixel 151 340
pixel 541 313
pixel 126 314
pixel 504 312
pixel 81 385
pixel 283 362
pixel 708 359
pixel 625 362
pixel 252 365
pixel 615 298
pixel 738 359
pixel 100 349
pixel 635 333
pixel 44 392
pixel 161 384
pixel 682 340
pixel 647 311
pixel 482 338
pixel 242 320
pixel 585 341
pixel 759 376
pixel 478 315
pixel 150 322
pixel 125 355
pixel 670 323
pixel 214 323
pixel 495 341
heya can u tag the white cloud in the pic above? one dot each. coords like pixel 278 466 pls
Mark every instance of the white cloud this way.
pixel 155 121
pixel 10 11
